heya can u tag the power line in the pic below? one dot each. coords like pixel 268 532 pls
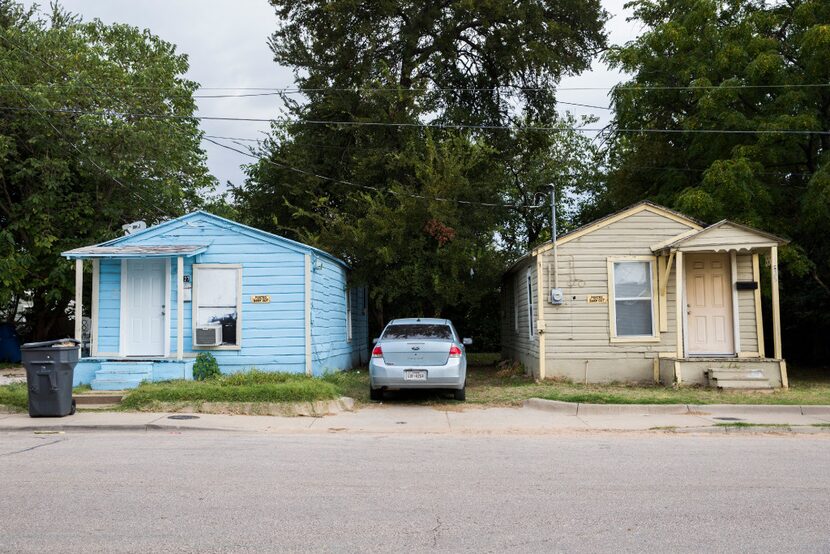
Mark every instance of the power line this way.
pixel 368 187
pixel 455 126
pixel 260 94
pixel 626 166
pixel 502 89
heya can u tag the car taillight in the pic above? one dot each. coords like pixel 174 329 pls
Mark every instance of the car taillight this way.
pixel 377 352
pixel 455 352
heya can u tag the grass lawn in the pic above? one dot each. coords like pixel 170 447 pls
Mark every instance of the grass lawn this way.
pixel 486 385
pixel 14 396
pixel 489 385
pixel 253 386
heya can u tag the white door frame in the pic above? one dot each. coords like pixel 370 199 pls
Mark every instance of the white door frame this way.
pixel 122 339
pixel 733 301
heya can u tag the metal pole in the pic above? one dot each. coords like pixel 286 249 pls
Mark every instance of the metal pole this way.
pixel 553 236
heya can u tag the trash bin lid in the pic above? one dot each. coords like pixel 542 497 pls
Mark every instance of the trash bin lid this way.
pixel 58 343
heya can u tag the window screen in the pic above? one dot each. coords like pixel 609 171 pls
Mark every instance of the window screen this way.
pixel 217 300
pixel 633 299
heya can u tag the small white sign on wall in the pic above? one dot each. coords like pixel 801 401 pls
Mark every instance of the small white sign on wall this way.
pixel 188 288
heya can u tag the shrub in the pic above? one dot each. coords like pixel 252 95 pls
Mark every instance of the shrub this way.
pixel 205 367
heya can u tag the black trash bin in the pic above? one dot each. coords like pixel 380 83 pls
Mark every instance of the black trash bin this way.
pixel 49 368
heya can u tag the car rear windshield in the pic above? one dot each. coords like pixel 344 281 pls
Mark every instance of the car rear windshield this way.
pixel 418 331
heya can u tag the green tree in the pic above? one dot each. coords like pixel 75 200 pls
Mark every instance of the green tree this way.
pixel 738 65
pixel 69 179
pixel 403 64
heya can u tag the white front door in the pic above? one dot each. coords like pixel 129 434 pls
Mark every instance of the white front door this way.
pixel 145 309
pixel 709 305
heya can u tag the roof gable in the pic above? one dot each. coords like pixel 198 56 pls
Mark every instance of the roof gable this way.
pixel 643 206
pixel 724 235
pixel 222 222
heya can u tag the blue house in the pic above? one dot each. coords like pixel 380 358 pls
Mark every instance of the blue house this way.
pixel 202 283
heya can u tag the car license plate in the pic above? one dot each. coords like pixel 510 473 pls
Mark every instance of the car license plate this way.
pixel 414 375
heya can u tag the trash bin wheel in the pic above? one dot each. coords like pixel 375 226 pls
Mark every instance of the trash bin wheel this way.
pixel 72 409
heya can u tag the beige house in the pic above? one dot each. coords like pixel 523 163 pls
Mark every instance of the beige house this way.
pixel 646 294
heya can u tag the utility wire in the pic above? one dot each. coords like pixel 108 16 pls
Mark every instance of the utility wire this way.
pixel 390 149
pixel 368 187
pixel 504 89
pixel 457 126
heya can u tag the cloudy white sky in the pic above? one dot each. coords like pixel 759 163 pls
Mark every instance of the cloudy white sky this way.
pixel 226 44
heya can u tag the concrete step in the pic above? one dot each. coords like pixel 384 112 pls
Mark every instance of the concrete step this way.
pixel 743 384
pixel 748 378
pixel 716 371
pixel 110 384
pixel 98 397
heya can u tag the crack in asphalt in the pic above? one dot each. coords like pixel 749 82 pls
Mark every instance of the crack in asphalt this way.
pixel 31 448
pixel 436 532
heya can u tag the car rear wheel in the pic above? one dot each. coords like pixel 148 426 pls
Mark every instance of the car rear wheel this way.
pixel 375 394
pixel 460 394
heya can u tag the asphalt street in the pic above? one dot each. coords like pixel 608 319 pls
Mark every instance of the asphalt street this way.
pixel 204 491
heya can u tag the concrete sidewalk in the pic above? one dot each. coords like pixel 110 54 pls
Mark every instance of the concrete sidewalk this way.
pixel 536 417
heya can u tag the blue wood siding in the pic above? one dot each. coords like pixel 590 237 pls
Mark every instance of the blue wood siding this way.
pixel 273 334
pixel 109 306
pixel 330 348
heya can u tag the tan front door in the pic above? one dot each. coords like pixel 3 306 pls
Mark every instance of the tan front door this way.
pixel 709 305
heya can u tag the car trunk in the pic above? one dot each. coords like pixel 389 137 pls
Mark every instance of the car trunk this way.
pixel 415 353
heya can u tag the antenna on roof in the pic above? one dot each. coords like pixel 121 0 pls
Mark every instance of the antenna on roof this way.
pixel 133 227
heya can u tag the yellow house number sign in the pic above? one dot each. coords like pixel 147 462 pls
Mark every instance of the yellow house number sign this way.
pixel 261 298
pixel 597 299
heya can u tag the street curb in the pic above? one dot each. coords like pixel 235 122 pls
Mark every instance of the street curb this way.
pixel 580 408
pixel 632 409
pixel 750 430
pixel 720 409
pixel 566 408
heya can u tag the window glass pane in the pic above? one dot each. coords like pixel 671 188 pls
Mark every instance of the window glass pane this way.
pixel 216 287
pixel 418 331
pixel 633 318
pixel 216 301
pixel 632 279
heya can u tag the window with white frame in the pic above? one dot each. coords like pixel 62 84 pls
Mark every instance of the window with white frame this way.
pixel 349 314
pixel 529 306
pixel 217 305
pixel 633 307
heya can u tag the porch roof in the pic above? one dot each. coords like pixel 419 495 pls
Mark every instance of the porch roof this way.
pixel 135 251
pixel 723 236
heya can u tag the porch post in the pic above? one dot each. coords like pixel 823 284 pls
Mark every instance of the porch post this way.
pixel 776 309
pixel 679 313
pixel 776 318
pixel 179 307
pixel 79 298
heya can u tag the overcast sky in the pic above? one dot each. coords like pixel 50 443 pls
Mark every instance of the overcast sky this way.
pixel 226 42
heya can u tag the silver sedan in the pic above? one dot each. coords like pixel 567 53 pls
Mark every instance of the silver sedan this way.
pixel 419 354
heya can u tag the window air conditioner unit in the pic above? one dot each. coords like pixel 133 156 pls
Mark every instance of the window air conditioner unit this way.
pixel 209 335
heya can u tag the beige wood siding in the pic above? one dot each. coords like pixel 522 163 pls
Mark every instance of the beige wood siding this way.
pixel 726 234
pixel 746 306
pixel 579 331
pixel 517 343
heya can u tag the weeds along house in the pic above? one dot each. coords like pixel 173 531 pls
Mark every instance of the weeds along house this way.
pixel 646 294
pixel 202 283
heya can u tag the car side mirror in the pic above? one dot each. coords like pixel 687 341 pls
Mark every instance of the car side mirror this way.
pixel 467 342
pixel 375 340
